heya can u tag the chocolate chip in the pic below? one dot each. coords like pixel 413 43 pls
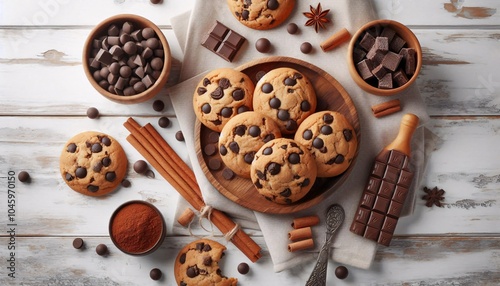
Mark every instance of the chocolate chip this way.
pixel 267 88
pixel 268 138
pixel 163 122
pixel 254 131
pixel 96 148
pixel 326 129
pixel 249 157
pixel 328 118
pixel 275 103
pixel 243 268
pixel 260 175
pixel 305 183
pixel 294 158
pixel 81 172
pixel 286 193
pixel 228 174
pixel 71 148
pixel 106 141
pixel 207 247
pixel 218 93
pixel 290 81
pixel 179 136
pixel 110 176
pixel 273 168
pixel 263 45
pixel 92 113
pixel 307 134
pixel 97 168
pixel 259 75
pixel 214 164
pixel 207 260
pixel 206 82
pixel 106 161
pixel 305 105
pixel 240 130
pixel 224 83
pixel 23 177
pixel 283 114
pixel 213 137
pixel 341 272
pixel 243 108
pixel 292 28
pixel 101 249
pixel 140 166
pixel 339 159
pixel 206 108
pixel 306 47
pixel 233 146
pixel 68 177
pixel 267 151
pixel 238 94
pixel 347 134
pixel 126 183
pixel 92 188
pixel 226 112
pixel 201 90
pixel 192 271
pixel 272 4
pixel 199 246
pixel 245 14
pixel 78 243
pixel 155 273
pixel 318 143
pixel 222 150
pixel 158 105
pixel 210 149
pixel 291 125
pixel 182 258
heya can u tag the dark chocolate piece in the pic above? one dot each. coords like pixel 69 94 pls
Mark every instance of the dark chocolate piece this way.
pixel 155 273
pixel 306 47
pixel 243 268
pixel 364 68
pixel 78 243
pixel 292 28
pixel 386 81
pixel 383 198
pixel 223 41
pixel 263 45
pixel 391 61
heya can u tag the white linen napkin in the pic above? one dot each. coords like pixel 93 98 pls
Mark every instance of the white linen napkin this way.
pixel 348 248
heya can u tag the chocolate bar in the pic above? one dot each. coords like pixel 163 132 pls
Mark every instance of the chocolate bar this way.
pixel 386 190
pixel 223 41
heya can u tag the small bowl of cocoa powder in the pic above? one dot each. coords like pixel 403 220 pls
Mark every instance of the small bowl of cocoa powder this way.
pixel 137 228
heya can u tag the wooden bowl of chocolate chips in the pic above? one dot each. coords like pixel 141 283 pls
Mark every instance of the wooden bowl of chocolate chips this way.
pixel 384 57
pixel 127 58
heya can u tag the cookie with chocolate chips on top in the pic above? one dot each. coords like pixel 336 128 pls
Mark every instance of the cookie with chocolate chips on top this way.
pixel 93 163
pixel 242 137
pixel 285 95
pixel 283 171
pixel 220 95
pixel 198 264
pixel 261 14
pixel 331 139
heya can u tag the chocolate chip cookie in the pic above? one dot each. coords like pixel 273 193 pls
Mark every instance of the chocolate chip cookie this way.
pixel 220 95
pixel 285 95
pixel 198 264
pixel 283 171
pixel 261 14
pixel 331 139
pixel 93 163
pixel 242 137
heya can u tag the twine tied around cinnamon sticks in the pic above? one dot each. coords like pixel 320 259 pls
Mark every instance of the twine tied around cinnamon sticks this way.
pixel 151 145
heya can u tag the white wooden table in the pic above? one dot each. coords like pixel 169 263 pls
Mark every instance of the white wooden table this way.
pixel 44 97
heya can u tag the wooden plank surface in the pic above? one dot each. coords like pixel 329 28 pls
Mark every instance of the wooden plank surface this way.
pixel 41 41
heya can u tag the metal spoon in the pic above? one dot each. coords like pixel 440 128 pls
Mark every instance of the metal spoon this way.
pixel 334 218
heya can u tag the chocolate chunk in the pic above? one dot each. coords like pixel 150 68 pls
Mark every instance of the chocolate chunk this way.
pixel 364 68
pixel 306 48
pixel 71 148
pixel 294 158
pixel 386 81
pixel 192 271
pixel 292 28
pixel 397 44
pixel 267 88
pixel 240 130
pixel 78 243
pixel 213 137
pixel 268 138
pixel 273 168
pixel 243 268
pixel 379 72
pixel 207 247
pixel 223 41
pixel 201 90
pixel 218 93
pixel 68 177
pixel 238 94
pixel 367 42
pixel 228 174
pixel 381 44
pixel 224 83
pixel 179 136
pixel 260 175
pixel 388 33
pixel 263 45
pixel 275 102
pixel 286 192
pixel 207 260
pixel 155 273
pixel 358 55
pixel 23 177
pixel 400 78
pixel 182 258
pixel 347 134
pixel 81 172
pixel 101 249
pixel 305 183
pixel 272 4
pixel 391 61
pixel 410 61
pixel 104 57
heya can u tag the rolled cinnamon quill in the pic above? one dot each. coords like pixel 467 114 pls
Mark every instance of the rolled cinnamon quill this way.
pixel 186 217
pixel 300 234
pixel 301 245
pixel 305 221
pixel 386 108
pixel 335 40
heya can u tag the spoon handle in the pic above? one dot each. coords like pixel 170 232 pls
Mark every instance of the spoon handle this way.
pixel 318 275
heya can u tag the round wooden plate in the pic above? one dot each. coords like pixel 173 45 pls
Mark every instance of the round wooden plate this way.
pixel 331 96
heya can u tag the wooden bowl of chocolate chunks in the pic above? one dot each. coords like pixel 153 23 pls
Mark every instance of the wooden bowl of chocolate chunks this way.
pixel 127 58
pixel 384 57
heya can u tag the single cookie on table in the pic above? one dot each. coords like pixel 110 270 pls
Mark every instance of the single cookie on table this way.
pixel 283 171
pixel 261 14
pixel 220 95
pixel 93 163
pixel 242 137
pixel 198 264
pixel 331 139
pixel 285 95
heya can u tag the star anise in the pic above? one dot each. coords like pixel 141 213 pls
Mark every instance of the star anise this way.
pixel 317 17
pixel 434 196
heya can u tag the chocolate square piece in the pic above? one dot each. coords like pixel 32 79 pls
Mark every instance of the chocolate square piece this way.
pixel 358 228
pixel 381 44
pixel 362 215
pixel 379 72
pixel 386 189
pixel 104 57
pixel 400 194
pixel 376 220
pixel 364 69
pixel 381 205
pixel 367 42
pixel 384 238
pixel 358 55
pixel 397 44
pixel 400 78
pixel 368 200
pixel 410 60
pixel 223 41
pixel 389 33
pixel 386 81
pixel 378 169
pixel 373 185
pixel 391 61
pixel 389 224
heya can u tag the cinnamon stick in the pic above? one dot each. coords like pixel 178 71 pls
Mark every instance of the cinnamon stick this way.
pixel 305 221
pixel 335 40
pixel 301 245
pixel 300 233
pixel 186 217
pixel 163 158
pixel 386 108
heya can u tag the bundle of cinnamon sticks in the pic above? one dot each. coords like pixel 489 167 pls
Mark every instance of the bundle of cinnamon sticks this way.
pixel 151 145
